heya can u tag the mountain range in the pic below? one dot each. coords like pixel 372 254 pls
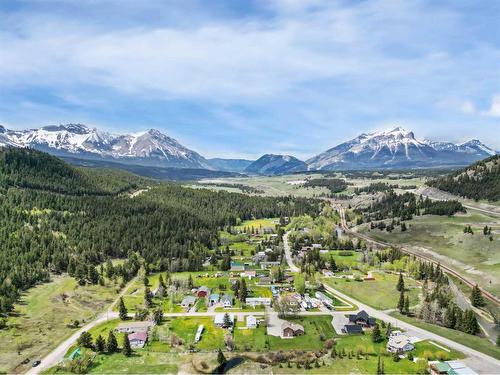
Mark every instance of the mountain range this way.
pixel 395 148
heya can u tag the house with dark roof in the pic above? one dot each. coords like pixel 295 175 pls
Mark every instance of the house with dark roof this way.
pixel 351 329
pixel 362 318
pixel 289 330
pixel 203 291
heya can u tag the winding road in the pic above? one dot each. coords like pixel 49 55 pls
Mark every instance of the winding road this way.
pixel 478 361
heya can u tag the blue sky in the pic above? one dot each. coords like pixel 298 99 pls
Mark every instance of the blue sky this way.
pixel 241 78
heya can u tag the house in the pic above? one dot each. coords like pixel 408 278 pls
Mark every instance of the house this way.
pixel 227 301
pixel 251 322
pixel 188 302
pixel 203 291
pixel 255 301
pixel 289 330
pixel 214 299
pixel 399 344
pixel 132 327
pixel 327 273
pixel 352 329
pixel 138 339
pixel 249 273
pixel 362 318
pixel 265 280
pixel 219 320
pixel 316 246
pixel 267 265
pixel 237 266
pixel 450 368
pixel 199 331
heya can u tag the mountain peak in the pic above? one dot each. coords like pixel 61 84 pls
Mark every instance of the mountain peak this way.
pixel 272 164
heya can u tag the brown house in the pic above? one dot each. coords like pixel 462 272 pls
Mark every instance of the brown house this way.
pixel 289 330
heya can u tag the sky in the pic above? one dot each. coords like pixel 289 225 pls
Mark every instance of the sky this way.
pixel 242 78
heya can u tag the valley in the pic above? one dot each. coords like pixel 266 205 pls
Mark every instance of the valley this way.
pixel 264 253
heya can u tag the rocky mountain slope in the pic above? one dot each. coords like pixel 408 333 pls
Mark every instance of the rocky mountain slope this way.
pixel 270 164
pixel 150 147
pixel 397 148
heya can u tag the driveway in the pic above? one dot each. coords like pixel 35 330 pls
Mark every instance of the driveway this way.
pixel 338 322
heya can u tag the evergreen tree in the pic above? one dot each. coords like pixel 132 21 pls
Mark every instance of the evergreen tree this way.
pixel 148 298
pixel 376 334
pixel 389 330
pixel 161 282
pixel 100 344
pixel 122 310
pixel 85 340
pixel 227 321
pixel 401 302
pixel 401 283
pixel 220 357
pixel 380 365
pixel 243 290
pixel 476 297
pixel 190 282
pixel 407 306
pixel 111 344
pixel 127 350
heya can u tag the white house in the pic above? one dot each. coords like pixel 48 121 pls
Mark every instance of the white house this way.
pixel 399 343
pixel 251 322
pixel 219 319
pixel 227 301
pixel 138 339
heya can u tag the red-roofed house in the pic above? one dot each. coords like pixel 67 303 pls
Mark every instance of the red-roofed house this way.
pixel 138 339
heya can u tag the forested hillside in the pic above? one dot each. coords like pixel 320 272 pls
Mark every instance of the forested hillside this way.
pixel 57 218
pixel 481 180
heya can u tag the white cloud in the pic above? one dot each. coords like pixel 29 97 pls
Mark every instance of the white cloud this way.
pixel 468 107
pixel 494 110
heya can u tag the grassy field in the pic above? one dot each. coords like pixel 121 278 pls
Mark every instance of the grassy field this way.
pixel 185 328
pixel 348 260
pixel 474 342
pixel 258 224
pixel 476 256
pixel 141 362
pixel 315 328
pixel 275 185
pixel 380 293
pixel 40 319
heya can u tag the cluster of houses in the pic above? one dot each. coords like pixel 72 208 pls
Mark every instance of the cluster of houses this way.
pixel 137 332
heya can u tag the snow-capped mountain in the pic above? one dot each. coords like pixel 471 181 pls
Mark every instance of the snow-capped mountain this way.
pixel 397 148
pixel 146 148
pixel 270 164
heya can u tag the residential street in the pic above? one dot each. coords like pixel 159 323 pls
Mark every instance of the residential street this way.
pixel 478 361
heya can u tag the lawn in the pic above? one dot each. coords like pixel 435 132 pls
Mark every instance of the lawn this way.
pixel 258 224
pixel 185 328
pixel 317 329
pixel 141 362
pixel 380 293
pixel 40 319
pixel 475 342
pixel 444 235
pixel 348 260
pixel 250 339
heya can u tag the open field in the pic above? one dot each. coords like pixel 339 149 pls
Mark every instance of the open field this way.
pixel 475 342
pixel 380 293
pixel 40 319
pixel 476 256
pixel 258 224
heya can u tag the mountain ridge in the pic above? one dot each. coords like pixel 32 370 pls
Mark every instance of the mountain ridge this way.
pixel 397 148
pixel 272 164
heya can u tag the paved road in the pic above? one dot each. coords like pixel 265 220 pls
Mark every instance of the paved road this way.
pixel 57 355
pixel 478 361
pixel 288 253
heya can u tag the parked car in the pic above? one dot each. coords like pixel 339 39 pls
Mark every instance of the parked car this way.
pixel 36 363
